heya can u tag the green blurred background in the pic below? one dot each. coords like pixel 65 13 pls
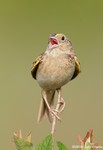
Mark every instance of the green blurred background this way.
pixel 24 29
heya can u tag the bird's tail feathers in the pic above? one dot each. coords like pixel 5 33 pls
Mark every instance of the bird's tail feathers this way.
pixel 43 107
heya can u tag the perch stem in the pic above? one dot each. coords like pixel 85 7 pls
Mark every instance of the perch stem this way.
pixel 56 111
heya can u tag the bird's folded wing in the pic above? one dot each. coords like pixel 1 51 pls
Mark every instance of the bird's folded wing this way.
pixel 77 68
pixel 35 66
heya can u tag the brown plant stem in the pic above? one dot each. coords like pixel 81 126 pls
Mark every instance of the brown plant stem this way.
pixel 60 102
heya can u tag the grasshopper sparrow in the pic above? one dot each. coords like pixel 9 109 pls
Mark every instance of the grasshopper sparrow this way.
pixel 52 69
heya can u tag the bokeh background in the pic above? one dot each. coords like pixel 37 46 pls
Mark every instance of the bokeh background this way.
pixel 24 29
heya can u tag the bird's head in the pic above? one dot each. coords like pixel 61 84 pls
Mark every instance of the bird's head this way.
pixel 59 40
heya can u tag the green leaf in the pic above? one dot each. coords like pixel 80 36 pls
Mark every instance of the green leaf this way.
pixel 47 144
pixel 23 144
pixel 61 146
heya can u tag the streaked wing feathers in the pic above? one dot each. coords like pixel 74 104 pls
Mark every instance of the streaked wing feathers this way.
pixel 77 68
pixel 35 66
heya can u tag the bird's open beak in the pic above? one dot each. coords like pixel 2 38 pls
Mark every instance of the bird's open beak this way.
pixel 53 40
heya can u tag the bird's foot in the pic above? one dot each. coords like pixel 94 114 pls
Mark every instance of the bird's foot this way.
pixel 62 104
pixel 54 113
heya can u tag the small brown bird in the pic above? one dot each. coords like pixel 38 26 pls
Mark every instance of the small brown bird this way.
pixel 52 69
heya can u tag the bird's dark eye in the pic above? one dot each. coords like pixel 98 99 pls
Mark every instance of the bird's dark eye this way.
pixel 63 38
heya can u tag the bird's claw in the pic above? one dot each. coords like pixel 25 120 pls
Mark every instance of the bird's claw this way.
pixel 54 113
pixel 62 103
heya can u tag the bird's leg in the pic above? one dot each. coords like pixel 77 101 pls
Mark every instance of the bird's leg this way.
pixel 61 101
pixel 53 113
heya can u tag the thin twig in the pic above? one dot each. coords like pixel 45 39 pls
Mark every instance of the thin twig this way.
pixel 56 111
